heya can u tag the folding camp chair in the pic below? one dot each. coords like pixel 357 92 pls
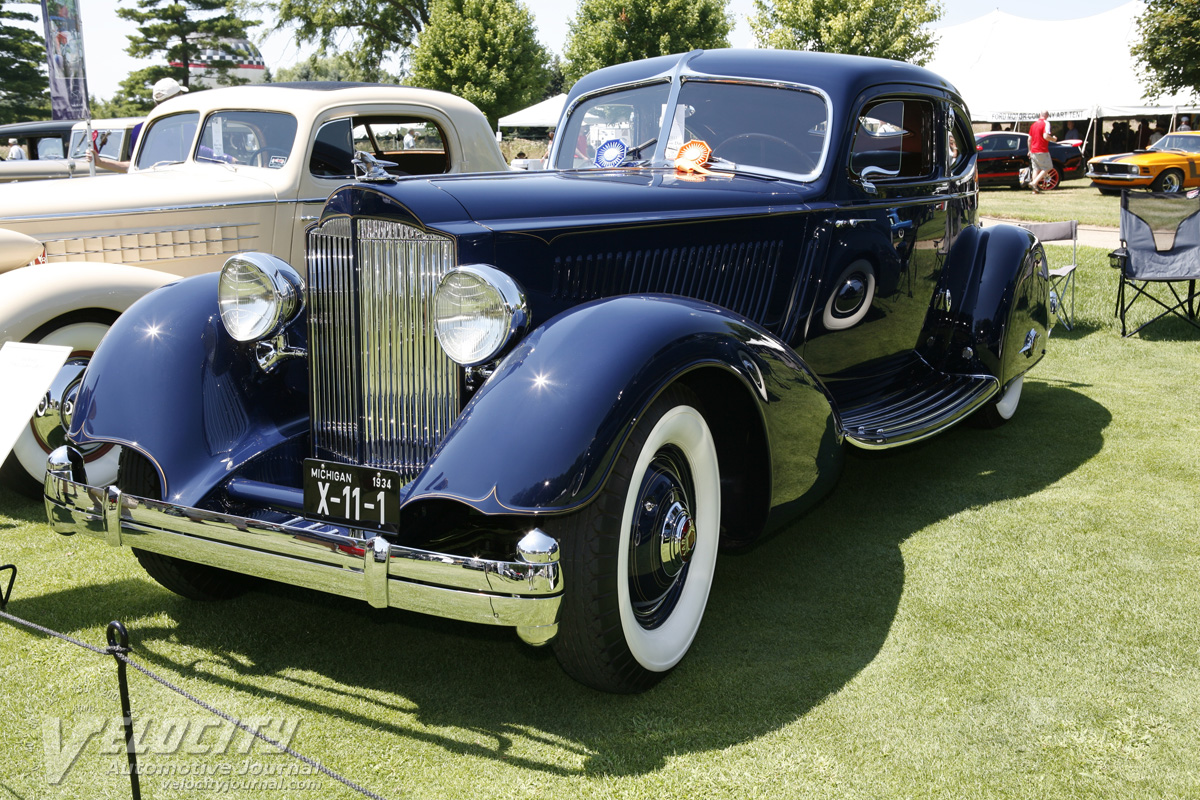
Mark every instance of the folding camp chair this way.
pixel 1062 279
pixel 1159 257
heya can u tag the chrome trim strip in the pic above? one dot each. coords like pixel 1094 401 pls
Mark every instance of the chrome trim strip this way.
pixel 311 554
pixel 122 212
pixel 1117 176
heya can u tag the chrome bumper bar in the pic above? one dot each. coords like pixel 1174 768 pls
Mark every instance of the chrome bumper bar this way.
pixel 524 594
pixel 1117 176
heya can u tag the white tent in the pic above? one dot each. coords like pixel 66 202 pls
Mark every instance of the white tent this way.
pixel 1010 68
pixel 542 115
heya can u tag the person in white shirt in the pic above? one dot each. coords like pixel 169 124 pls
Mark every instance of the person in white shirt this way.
pixel 15 151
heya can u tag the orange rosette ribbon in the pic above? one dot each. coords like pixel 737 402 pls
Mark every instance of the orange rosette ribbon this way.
pixel 693 156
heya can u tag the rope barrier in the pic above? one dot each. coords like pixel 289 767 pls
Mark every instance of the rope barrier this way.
pixel 118 648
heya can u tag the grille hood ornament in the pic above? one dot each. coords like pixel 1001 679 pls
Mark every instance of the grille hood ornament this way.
pixel 371 169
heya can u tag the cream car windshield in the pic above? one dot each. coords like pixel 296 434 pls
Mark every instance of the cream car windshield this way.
pixel 250 138
pixel 108 142
pixel 768 130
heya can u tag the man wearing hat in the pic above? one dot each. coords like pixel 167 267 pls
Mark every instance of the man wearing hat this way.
pixel 164 89
pixel 1183 124
pixel 15 151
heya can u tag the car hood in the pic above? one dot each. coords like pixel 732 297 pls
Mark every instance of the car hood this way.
pixel 546 200
pixel 1143 158
pixel 177 186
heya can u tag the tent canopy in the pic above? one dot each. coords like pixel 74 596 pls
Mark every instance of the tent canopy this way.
pixel 1008 68
pixel 542 115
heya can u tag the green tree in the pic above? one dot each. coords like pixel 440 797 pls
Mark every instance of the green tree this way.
pixel 376 28
pixel 340 67
pixel 23 82
pixel 484 50
pixel 1169 47
pixel 180 30
pixel 607 32
pixel 881 28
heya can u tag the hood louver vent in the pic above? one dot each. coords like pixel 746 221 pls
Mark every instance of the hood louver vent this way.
pixel 740 277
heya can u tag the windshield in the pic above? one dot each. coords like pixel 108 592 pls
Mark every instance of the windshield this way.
pixel 763 129
pixel 108 142
pixel 632 117
pixel 1188 144
pixel 168 140
pixel 252 138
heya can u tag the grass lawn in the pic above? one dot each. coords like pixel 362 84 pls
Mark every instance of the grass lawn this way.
pixel 1076 199
pixel 1004 613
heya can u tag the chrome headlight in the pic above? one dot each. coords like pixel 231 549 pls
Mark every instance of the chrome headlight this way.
pixel 477 312
pixel 258 295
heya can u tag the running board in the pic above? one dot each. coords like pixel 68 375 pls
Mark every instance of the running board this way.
pixel 916 410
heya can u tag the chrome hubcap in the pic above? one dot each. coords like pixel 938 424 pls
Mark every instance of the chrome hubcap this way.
pixel 53 416
pixel 663 538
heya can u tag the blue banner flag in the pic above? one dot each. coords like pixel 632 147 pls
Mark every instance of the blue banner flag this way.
pixel 64 56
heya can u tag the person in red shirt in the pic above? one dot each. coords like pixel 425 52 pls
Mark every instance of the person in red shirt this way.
pixel 1039 150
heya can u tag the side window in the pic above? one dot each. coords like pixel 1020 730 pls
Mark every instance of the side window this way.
pixel 960 141
pixel 894 139
pixel 415 145
pixel 332 151
pixel 168 140
pixel 50 148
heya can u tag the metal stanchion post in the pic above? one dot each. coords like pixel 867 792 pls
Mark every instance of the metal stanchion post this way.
pixel 119 637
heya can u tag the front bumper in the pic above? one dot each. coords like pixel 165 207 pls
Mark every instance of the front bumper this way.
pixel 523 594
pixel 1119 178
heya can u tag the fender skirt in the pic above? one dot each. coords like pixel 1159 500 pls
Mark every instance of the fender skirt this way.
pixel 1000 274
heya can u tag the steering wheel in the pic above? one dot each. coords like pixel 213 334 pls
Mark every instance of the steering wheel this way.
pixel 806 162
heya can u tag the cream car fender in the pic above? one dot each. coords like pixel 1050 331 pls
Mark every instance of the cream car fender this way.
pixel 32 296
pixel 17 249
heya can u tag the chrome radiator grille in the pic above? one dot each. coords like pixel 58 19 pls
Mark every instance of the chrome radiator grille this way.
pixel 382 391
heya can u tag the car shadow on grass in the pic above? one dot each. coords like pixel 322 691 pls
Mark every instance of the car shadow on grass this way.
pixel 790 622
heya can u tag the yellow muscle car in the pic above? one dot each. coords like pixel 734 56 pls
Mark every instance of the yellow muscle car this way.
pixel 1169 165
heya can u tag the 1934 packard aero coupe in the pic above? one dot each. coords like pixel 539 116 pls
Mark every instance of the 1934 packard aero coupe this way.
pixel 547 400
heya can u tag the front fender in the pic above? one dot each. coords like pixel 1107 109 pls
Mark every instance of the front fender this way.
pixel 542 433
pixel 170 383
pixel 32 296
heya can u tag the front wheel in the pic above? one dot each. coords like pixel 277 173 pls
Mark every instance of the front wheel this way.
pixel 185 578
pixel 25 468
pixel 1170 180
pixel 639 559
pixel 1051 180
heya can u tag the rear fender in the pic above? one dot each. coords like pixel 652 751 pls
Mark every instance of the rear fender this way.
pixel 542 434
pixel 1000 274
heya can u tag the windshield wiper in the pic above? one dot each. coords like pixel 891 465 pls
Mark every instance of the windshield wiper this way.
pixel 631 155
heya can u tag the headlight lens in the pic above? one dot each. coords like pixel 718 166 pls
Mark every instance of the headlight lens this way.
pixel 477 312
pixel 258 295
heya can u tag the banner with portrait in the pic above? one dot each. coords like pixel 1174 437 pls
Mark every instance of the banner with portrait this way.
pixel 64 56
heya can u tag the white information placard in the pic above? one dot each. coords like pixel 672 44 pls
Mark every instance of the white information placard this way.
pixel 26 372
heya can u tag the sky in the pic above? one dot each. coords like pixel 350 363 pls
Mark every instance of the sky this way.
pixel 107 63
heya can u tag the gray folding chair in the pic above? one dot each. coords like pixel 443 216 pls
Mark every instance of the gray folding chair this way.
pixel 1159 257
pixel 1062 279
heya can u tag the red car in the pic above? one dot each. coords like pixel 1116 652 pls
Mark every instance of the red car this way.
pixel 1002 155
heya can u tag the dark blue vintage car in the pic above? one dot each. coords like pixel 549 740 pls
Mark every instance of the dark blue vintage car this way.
pixel 548 400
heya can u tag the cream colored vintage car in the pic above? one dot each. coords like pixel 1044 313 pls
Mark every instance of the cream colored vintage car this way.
pixel 113 137
pixel 215 173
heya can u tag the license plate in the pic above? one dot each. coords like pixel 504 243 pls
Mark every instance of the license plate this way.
pixel 345 492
